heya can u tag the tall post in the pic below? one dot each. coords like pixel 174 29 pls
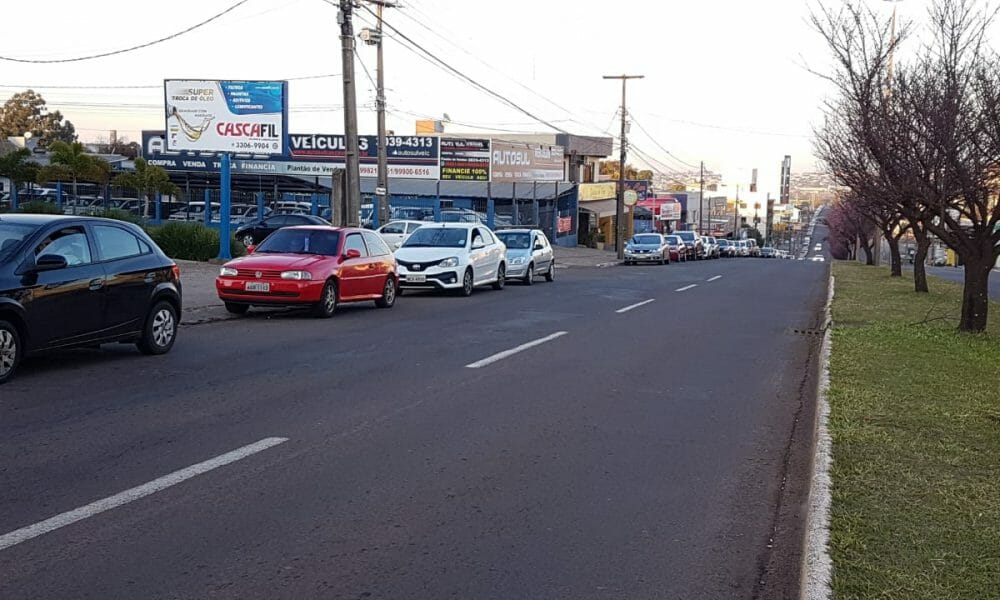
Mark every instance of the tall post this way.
pixel 224 207
pixel 736 213
pixel 352 171
pixel 381 208
pixel 620 199
pixel 701 200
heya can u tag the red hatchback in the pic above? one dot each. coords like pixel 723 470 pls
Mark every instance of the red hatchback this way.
pixel 315 266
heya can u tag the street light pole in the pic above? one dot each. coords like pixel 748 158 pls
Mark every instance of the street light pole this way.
pixel 352 171
pixel 620 197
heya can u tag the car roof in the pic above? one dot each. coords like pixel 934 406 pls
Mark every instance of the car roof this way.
pixel 518 230
pixel 328 228
pixel 451 225
pixel 406 221
pixel 29 219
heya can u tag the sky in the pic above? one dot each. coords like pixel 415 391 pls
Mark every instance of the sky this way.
pixel 727 82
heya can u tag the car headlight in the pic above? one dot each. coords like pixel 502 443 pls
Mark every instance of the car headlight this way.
pixel 451 261
pixel 519 260
pixel 297 275
pixel 227 272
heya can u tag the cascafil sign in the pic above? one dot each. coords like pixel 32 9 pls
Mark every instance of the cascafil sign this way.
pixel 516 161
pixel 241 117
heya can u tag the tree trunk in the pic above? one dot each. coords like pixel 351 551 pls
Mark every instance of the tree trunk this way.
pixel 975 295
pixel 920 260
pixel 866 246
pixel 896 260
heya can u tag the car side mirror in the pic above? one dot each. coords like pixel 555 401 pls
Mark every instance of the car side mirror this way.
pixel 352 253
pixel 251 248
pixel 50 262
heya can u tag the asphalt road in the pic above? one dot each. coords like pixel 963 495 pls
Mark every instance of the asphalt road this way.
pixel 958 275
pixel 659 452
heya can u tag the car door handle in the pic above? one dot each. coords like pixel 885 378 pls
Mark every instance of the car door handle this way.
pixel 96 284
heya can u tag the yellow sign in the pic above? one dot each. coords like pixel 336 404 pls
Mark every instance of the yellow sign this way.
pixel 589 192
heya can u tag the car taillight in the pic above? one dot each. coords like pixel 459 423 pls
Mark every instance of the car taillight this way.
pixel 176 271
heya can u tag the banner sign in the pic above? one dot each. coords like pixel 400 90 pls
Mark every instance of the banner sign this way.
pixel 226 116
pixel 516 161
pixel 589 192
pixel 670 211
pixel 640 187
pixel 465 159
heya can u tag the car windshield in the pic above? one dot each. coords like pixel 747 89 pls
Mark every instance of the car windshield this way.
pixel 673 239
pixel 437 237
pixel 646 240
pixel 301 241
pixel 687 236
pixel 11 236
pixel 516 241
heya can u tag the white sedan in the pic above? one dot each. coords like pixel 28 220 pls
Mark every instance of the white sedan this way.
pixel 452 256
pixel 395 233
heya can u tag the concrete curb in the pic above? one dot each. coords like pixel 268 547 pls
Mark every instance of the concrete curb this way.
pixel 817 567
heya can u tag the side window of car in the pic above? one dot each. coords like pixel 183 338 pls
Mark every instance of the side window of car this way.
pixel 275 222
pixel 376 246
pixel 355 242
pixel 115 243
pixel 70 243
pixel 486 236
pixel 393 228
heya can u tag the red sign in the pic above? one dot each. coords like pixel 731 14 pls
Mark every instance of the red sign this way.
pixel 565 224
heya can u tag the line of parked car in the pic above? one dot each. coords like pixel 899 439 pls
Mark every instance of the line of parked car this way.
pixel 682 246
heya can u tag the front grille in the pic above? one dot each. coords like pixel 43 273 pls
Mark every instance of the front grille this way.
pixel 417 266
pixel 252 274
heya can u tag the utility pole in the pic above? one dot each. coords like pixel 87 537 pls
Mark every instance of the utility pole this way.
pixel 620 202
pixel 352 172
pixel 382 181
pixel 701 200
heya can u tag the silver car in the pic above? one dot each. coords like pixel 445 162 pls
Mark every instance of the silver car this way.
pixel 529 254
pixel 647 247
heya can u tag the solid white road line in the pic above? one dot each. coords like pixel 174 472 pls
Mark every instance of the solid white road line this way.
pixel 634 306
pixel 94 508
pixel 489 360
pixel 686 288
pixel 716 278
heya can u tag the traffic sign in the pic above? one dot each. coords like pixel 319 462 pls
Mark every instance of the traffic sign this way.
pixel 631 197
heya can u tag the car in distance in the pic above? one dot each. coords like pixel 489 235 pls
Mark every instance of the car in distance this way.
pixel 711 246
pixel 257 231
pixel 80 281
pixel 647 247
pixel 452 256
pixel 529 254
pixel 316 266
pixel 677 248
pixel 768 252
pixel 695 247
pixel 725 248
pixel 395 232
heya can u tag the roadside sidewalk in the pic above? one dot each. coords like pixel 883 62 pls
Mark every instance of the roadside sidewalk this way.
pixel 581 256
pixel 201 303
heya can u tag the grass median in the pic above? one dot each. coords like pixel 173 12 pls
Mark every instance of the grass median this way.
pixel 915 420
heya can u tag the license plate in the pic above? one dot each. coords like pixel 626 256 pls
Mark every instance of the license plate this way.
pixel 416 278
pixel 256 286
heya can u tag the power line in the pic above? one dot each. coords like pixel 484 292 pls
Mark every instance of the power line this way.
pixel 137 87
pixel 734 129
pixel 659 145
pixel 465 77
pixel 124 50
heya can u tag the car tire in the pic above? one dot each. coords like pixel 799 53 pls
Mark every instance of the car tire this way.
pixel 389 292
pixel 550 275
pixel 468 284
pixel 160 331
pixel 10 350
pixel 529 275
pixel 237 309
pixel 328 301
pixel 501 277
pixel 247 240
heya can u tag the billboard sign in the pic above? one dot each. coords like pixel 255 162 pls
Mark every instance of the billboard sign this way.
pixel 465 159
pixel 226 116
pixel 670 211
pixel 590 192
pixel 517 161
pixel 411 157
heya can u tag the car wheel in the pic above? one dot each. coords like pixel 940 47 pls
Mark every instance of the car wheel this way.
pixel 501 277
pixel 237 309
pixel 550 275
pixel 467 283
pixel 388 293
pixel 529 276
pixel 160 333
pixel 10 350
pixel 327 304
pixel 247 240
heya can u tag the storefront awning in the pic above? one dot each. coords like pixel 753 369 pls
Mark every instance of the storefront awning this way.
pixel 602 208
